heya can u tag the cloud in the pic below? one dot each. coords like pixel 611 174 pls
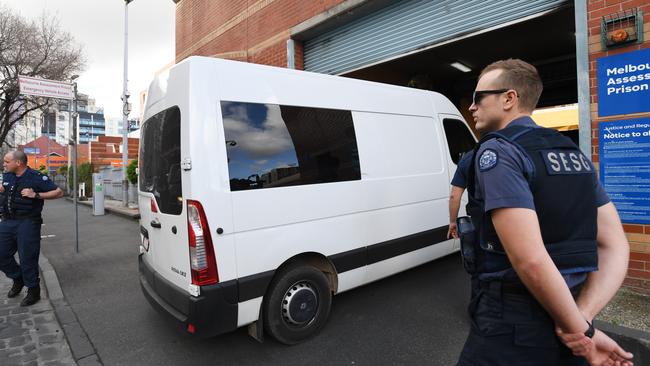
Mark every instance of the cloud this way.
pixel 259 141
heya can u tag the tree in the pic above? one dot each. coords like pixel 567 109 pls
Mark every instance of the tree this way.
pixel 31 48
pixel 43 169
pixel 131 171
pixel 84 175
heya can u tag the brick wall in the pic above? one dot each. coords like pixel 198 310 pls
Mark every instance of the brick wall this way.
pixel 244 30
pixel 638 277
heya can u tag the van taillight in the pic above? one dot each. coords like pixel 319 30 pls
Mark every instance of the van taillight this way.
pixel 152 203
pixel 203 264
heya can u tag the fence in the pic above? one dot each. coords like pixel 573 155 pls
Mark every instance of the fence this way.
pixel 112 184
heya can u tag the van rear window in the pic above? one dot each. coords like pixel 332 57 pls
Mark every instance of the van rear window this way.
pixel 160 160
pixel 273 146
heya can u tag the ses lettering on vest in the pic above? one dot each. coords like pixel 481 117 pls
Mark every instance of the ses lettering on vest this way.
pixel 560 162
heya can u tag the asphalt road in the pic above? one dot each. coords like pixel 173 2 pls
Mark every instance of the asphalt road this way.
pixel 413 318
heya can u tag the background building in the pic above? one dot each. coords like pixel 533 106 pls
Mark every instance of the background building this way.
pixel 442 46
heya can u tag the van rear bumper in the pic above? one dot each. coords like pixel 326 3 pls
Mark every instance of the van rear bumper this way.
pixel 212 313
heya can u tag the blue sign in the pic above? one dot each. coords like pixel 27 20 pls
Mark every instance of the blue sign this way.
pixel 32 150
pixel 625 167
pixel 624 83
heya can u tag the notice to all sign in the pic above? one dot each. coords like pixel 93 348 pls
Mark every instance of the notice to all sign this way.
pixel 625 167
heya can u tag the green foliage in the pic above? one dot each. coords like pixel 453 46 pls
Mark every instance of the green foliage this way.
pixel 84 175
pixel 131 171
pixel 63 170
pixel 43 169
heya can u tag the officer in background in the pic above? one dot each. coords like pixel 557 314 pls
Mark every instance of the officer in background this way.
pixel 550 249
pixel 21 202
pixel 458 186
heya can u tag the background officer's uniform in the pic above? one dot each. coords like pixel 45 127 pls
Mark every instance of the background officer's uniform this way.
pixel 462 170
pixel 20 228
pixel 535 168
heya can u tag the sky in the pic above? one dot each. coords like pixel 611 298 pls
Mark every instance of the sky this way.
pixel 98 25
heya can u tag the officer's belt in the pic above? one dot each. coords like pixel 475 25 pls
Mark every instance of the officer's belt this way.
pixel 16 217
pixel 515 288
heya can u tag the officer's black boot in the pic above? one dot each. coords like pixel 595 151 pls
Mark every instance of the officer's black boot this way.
pixel 33 295
pixel 16 288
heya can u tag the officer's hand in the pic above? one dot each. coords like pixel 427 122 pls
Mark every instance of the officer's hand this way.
pixel 28 192
pixel 452 231
pixel 607 352
pixel 578 343
pixel 2 188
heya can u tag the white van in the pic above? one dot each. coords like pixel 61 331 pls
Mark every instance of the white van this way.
pixel 264 191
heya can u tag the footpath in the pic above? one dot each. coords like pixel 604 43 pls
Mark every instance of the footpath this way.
pixel 32 335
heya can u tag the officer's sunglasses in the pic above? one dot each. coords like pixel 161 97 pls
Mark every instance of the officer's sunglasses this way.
pixel 478 95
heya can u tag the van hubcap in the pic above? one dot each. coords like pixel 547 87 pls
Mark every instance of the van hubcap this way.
pixel 299 304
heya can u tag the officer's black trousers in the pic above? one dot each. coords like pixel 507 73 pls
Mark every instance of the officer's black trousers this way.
pixel 512 329
pixel 24 236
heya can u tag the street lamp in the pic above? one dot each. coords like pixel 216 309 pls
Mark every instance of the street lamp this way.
pixel 126 108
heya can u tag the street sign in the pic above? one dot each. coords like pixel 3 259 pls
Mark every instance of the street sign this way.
pixel 45 88
pixel 625 167
pixel 624 83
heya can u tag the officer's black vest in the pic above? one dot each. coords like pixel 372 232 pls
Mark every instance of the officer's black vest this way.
pixel 15 205
pixel 564 197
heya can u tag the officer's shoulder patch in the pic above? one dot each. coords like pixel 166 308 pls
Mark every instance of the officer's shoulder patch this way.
pixel 45 177
pixel 488 160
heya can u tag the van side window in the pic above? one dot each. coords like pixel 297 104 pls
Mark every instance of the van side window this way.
pixel 459 139
pixel 160 160
pixel 271 146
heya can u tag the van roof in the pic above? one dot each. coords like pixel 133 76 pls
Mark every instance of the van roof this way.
pixel 248 82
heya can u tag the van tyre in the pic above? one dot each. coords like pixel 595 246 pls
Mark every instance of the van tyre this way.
pixel 297 304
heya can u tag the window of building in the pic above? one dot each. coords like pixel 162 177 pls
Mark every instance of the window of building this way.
pixel 459 138
pixel 271 146
pixel 160 160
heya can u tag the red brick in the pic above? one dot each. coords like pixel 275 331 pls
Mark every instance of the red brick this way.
pixel 637 265
pixel 637 283
pixel 645 257
pixel 598 13
pixel 633 273
pixel 633 229
pixel 633 4
pixel 595 5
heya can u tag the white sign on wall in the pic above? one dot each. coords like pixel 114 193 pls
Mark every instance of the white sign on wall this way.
pixel 45 88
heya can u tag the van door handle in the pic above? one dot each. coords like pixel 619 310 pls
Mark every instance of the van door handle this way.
pixel 155 223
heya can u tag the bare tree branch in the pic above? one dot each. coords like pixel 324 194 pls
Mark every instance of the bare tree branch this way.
pixel 38 49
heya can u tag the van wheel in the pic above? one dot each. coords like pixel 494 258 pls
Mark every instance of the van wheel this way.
pixel 297 304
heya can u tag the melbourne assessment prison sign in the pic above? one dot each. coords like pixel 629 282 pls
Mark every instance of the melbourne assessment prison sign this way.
pixel 624 83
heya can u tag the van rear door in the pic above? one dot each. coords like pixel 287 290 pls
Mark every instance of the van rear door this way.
pixel 163 222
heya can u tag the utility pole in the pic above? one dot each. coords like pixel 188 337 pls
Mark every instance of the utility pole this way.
pixel 75 116
pixel 125 109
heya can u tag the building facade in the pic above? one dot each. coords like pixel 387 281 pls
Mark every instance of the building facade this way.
pixel 442 46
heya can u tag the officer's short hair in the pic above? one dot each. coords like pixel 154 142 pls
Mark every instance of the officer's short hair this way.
pixel 520 76
pixel 20 156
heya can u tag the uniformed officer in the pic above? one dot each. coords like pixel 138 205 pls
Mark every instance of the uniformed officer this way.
pixel 21 202
pixel 550 249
